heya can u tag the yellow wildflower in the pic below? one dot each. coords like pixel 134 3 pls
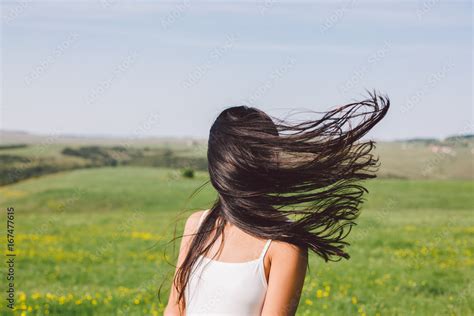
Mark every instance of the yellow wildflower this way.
pixel 21 296
pixel 319 293
pixel 424 250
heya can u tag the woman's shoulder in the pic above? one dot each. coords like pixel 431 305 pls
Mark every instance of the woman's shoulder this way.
pixel 287 251
pixel 192 222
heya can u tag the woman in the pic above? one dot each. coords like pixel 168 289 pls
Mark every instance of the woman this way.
pixel 282 189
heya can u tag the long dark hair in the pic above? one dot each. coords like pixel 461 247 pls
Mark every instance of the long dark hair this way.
pixel 293 182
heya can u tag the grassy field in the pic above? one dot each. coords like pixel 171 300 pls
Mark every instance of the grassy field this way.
pixel 96 242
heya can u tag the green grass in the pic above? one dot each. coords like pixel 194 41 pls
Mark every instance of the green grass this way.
pixel 96 242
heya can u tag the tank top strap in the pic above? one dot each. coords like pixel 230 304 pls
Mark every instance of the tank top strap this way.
pixel 265 248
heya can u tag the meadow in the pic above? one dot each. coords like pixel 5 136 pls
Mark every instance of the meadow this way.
pixel 96 241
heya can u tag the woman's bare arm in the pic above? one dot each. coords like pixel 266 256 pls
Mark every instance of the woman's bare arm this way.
pixel 172 309
pixel 287 274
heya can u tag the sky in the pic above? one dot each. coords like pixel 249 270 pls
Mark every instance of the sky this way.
pixel 151 68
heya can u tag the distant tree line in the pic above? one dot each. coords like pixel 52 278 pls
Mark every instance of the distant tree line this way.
pixel 99 156
pixel 12 146
pixel 14 168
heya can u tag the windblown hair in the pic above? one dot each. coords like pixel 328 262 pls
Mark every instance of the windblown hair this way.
pixel 298 183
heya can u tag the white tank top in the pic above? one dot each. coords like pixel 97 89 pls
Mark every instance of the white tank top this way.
pixel 226 288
